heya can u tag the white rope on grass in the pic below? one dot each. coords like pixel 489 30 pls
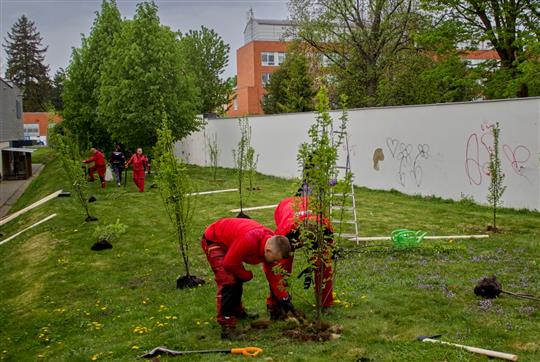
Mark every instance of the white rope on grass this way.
pixel 212 192
pixel 254 208
pixel 30 207
pixel 28 228
pixel 441 237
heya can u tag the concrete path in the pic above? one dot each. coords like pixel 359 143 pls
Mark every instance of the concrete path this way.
pixel 10 191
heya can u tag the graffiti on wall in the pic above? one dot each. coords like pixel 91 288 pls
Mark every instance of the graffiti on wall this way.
pixel 410 159
pixel 478 148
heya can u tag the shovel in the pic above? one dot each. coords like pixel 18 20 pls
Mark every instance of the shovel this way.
pixel 485 352
pixel 246 351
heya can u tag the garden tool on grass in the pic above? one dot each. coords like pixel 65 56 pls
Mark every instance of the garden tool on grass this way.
pixel 482 351
pixel 404 238
pixel 246 351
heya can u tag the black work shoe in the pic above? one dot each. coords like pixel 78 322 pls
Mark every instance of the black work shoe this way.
pixel 231 334
pixel 247 316
pixel 276 313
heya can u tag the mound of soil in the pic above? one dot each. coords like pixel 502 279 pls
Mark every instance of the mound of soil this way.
pixel 312 332
pixel 92 199
pixel 91 218
pixel 101 245
pixel 488 288
pixel 188 281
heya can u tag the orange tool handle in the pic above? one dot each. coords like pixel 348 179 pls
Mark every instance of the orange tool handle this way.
pixel 247 351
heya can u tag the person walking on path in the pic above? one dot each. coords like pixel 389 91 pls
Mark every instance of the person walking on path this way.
pixel 99 165
pixel 140 164
pixel 117 161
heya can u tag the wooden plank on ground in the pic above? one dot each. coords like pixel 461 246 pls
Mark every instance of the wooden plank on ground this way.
pixel 8 218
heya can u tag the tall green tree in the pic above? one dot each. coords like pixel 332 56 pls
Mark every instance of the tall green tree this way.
pixel 82 83
pixel 291 87
pixel 359 37
pixel 207 56
pixel 25 64
pixel 58 90
pixel 510 26
pixel 143 78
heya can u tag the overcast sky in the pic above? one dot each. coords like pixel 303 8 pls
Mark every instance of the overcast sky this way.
pixel 61 22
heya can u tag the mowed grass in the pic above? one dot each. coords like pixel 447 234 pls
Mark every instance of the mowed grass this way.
pixel 59 301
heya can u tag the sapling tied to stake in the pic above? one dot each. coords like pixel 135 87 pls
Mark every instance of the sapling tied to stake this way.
pixel 496 188
pixel 214 154
pixel 70 157
pixel 318 159
pixel 175 186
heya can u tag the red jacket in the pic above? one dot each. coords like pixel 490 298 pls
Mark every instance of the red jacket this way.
pixel 97 158
pixel 139 162
pixel 290 212
pixel 244 240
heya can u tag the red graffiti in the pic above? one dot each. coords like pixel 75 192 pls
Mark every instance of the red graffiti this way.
pixel 517 157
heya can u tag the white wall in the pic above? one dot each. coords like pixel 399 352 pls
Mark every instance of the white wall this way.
pixel 437 150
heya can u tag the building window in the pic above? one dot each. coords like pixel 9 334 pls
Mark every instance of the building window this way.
pixel 18 109
pixel 235 104
pixel 272 58
pixel 265 78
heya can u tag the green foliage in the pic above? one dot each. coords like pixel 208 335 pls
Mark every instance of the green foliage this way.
pixel 67 152
pixel 110 232
pixel 496 188
pixel 25 64
pixel 175 186
pixel 58 90
pixel 213 149
pixel 240 154
pixel 82 84
pixel 252 160
pixel 291 87
pixel 318 159
pixel 144 78
pixel 207 57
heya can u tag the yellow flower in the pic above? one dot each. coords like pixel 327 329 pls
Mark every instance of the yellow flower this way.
pixel 93 357
pixel 134 347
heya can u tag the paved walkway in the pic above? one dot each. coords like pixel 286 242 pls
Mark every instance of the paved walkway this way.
pixel 10 191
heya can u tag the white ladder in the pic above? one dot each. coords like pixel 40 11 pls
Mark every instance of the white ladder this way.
pixel 345 211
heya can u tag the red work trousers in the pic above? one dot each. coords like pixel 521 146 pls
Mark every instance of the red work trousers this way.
pixel 101 173
pixel 138 178
pixel 229 290
pixel 326 282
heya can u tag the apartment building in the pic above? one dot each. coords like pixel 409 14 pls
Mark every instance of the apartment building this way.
pixel 264 49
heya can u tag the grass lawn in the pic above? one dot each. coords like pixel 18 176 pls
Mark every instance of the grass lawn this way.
pixel 59 301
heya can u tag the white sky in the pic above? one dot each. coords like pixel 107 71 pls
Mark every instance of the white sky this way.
pixel 61 22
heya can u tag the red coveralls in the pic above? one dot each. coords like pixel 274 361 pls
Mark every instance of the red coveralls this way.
pixel 288 215
pixel 139 164
pixel 99 166
pixel 228 243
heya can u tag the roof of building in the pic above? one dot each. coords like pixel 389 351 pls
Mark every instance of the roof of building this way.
pixel 484 54
pixel 269 22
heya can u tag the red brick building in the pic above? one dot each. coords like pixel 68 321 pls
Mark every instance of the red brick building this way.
pixel 36 125
pixel 264 50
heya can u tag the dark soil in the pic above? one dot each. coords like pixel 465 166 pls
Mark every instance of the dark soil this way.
pixel 91 218
pixel 312 332
pixel 492 229
pixel 488 288
pixel 188 281
pixel 260 324
pixel 64 194
pixel 254 189
pixel 101 245
pixel 241 215
pixel 92 199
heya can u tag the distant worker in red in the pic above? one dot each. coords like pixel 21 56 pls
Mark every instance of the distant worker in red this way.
pixel 228 243
pixel 99 165
pixel 288 216
pixel 140 164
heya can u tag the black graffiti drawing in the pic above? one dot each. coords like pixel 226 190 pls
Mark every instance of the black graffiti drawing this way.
pixel 409 163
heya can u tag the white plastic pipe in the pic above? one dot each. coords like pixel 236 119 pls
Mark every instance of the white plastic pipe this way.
pixel 30 207
pixel 254 208
pixel 212 192
pixel 28 228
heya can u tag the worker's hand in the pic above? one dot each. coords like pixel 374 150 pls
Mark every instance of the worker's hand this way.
pixel 286 305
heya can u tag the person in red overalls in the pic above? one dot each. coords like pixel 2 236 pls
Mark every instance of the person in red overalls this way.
pixel 99 165
pixel 228 243
pixel 140 163
pixel 288 216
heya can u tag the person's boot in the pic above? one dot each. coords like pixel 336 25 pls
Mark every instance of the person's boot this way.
pixel 231 333
pixel 275 313
pixel 243 315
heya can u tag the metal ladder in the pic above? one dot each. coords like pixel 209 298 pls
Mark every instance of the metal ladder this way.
pixel 345 211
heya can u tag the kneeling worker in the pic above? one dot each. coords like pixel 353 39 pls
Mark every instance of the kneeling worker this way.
pixel 228 243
